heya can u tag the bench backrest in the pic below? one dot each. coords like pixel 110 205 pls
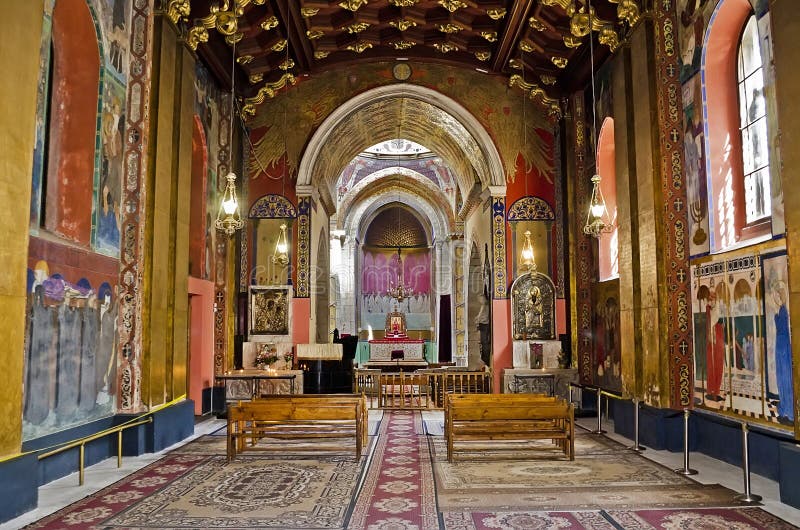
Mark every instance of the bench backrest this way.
pixel 463 411
pixel 264 410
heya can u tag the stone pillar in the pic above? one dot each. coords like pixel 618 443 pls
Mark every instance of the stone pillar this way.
pixel 501 304
pixel 785 28
pixel 21 26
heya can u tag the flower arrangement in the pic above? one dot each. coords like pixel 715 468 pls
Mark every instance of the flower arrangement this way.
pixel 287 358
pixel 266 355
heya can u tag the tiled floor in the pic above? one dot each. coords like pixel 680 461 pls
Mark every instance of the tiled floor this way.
pixel 62 492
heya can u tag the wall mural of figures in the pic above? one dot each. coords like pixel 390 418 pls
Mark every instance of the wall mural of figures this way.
pixel 779 342
pixel 607 368
pixel 694 147
pixel 742 346
pixel 70 352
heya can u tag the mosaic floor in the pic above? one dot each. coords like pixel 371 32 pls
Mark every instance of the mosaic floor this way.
pixel 405 483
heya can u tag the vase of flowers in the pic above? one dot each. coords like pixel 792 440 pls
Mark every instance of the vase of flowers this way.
pixel 265 356
pixel 287 359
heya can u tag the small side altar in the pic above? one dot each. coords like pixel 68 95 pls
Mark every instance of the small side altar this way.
pixel 252 383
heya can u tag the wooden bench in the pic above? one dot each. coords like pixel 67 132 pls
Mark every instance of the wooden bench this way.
pixel 482 417
pixel 297 416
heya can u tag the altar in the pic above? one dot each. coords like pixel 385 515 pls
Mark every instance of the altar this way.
pixel 388 349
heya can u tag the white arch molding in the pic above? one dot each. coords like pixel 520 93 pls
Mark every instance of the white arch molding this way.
pixel 448 105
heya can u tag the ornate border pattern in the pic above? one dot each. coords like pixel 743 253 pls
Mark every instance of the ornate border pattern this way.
pixel 558 198
pixel 303 246
pixel 221 250
pixel 129 325
pixel 530 208
pixel 272 206
pixel 583 250
pixel 500 289
pixel 676 221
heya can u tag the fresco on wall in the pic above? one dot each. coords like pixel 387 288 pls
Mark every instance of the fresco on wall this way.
pixel 379 273
pixel 607 361
pixel 694 147
pixel 107 207
pixel 742 346
pixel 691 31
pixel 778 339
pixel 70 351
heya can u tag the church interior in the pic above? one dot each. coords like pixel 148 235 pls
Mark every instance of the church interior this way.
pixel 400 264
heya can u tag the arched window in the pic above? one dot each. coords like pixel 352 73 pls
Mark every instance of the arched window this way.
pixel 737 128
pixel 753 125
pixel 608 247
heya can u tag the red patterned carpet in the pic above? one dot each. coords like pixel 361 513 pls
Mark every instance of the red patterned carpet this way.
pixel 405 484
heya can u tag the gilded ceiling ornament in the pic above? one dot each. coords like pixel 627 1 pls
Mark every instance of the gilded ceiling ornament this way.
pixel 537 93
pixel 570 41
pixel 245 59
pixel 357 27
pixel 256 78
pixel 449 28
pixel 178 9
pixel 267 91
pixel 536 24
pixel 445 47
pixel 285 65
pixel 360 47
pixel 403 44
pixel 525 46
pixel 269 23
pixel 579 24
pixel 452 5
pixel 560 62
pixel 279 46
pixel 566 5
pixel 516 64
pixel 483 56
pixel 609 37
pixel 403 3
pixel 321 54
pixel 233 39
pixel 308 12
pixel 547 79
pixel 352 5
pixel 496 14
pixel 314 34
pixel 627 10
pixel 402 24
pixel 196 35
pixel 491 36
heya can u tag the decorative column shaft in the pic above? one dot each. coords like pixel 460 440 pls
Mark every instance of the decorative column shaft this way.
pixel 500 274
pixel 303 286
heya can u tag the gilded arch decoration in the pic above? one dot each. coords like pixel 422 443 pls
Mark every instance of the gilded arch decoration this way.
pixel 531 209
pixel 272 206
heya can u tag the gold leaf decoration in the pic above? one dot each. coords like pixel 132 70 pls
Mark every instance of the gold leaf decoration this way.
pixel 267 91
pixel 245 59
pixel 627 10
pixel 609 37
pixel 525 46
pixel 314 34
pixel 269 23
pixel 308 12
pixel 452 5
pixel 285 65
pixel 445 47
pixel 352 5
pixel 178 9
pixel 537 93
pixel 536 24
pixel 560 62
pixel 402 24
pixel 233 39
pixel 357 27
pixel 571 41
pixel 516 64
pixel 449 28
pixel 403 3
pixel 547 80
pixel 483 56
pixel 196 35
pixel 321 54
pixel 403 44
pixel 256 78
pixel 496 14
pixel 360 47
pixel 491 36
pixel 279 46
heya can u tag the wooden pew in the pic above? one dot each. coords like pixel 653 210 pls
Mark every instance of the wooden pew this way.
pixel 297 416
pixel 481 417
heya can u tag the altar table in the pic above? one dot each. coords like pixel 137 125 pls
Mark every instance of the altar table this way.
pixel 381 349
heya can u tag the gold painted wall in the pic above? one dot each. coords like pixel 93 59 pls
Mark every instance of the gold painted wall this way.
pixel 21 27
pixel 785 28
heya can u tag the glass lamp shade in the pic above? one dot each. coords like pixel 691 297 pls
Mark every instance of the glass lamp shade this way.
pixel 597 218
pixel 281 255
pixel 229 220
pixel 527 252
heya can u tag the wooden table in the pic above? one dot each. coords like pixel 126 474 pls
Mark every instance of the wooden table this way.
pixel 254 376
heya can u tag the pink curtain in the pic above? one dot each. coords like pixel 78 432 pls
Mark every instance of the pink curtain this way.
pixel 380 271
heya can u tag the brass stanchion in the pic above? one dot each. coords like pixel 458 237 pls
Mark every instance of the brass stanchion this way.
pixel 747 496
pixel 686 469
pixel 599 429
pixel 636 447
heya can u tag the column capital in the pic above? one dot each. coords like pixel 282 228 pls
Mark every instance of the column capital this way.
pixel 307 190
pixel 497 191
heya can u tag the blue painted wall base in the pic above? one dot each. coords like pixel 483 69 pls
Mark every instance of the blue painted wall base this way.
pixel 21 477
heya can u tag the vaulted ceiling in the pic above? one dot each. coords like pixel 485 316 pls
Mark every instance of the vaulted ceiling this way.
pixel 541 46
